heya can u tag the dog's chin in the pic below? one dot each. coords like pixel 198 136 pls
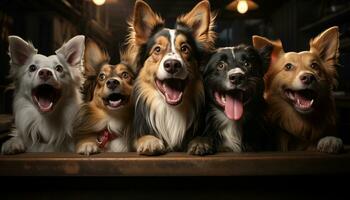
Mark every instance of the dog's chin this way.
pixel 172 89
pixel 232 101
pixel 115 101
pixel 303 100
pixel 45 97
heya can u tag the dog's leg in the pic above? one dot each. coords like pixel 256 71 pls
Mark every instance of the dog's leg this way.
pixel 330 144
pixel 13 146
pixel 201 146
pixel 149 145
pixel 87 145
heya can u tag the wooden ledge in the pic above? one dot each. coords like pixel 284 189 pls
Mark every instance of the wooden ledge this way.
pixel 176 164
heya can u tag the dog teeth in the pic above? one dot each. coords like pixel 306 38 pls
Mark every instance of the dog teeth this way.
pixel 223 99
pixel 311 102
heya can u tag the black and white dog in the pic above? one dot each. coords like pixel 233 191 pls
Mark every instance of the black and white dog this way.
pixel 234 87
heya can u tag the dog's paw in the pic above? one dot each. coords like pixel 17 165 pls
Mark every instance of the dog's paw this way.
pixel 200 146
pixel 330 144
pixel 150 145
pixel 87 148
pixel 14 145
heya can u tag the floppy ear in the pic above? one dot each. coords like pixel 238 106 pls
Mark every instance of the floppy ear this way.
pixel 144 22
pixel 19 50
pixel 261 42
pixel 73 50
pixel 326 45
pixel 201 22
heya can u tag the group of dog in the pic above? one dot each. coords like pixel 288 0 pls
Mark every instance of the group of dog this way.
pixel 174 91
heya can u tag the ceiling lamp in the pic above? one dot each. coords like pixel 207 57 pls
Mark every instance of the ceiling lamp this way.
pixel 242 6
pixel 99 2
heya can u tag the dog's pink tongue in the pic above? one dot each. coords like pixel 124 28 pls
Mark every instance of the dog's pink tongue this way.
pixel 172 94
pixel 233 108
pixel 45 103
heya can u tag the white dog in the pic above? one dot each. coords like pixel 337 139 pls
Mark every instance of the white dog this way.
pixel 47 96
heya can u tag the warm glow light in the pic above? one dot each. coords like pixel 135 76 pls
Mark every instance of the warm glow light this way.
pixel 99 2
pixel 242 6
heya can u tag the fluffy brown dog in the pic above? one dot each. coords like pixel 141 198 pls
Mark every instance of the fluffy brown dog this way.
pixel 298 88
pixel 103 121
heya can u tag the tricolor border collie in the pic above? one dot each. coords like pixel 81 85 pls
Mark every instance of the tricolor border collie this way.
pixel 234 87
pixel 168 92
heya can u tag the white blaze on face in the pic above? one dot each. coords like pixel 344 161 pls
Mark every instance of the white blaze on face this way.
pixel 172 53
pixel 297 84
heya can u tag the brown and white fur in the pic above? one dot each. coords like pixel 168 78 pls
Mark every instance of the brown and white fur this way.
pixel 47 96
pixel 102 122
pixel 299 94
pixel 168 92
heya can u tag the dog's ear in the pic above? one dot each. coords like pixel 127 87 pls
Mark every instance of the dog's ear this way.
pixel 201 23
pixel 20 51
pixel 73 50
pixel 265 54
pixel 326 45
pixel 277 48
pixel 94 57
pixel 144 22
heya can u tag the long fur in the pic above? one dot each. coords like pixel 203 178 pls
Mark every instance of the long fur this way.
pixel 158 126
pixel 35 131
pixel 296 131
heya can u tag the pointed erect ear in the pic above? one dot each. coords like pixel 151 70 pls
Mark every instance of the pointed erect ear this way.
pixel 200 21
pixel 326 45
pixel 19 50
pixel 73 50
pixel 94 56
pixel 144 21
pixel 261 42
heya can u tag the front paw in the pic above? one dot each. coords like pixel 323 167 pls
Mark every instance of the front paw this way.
pixel 14 145
pixel 330 144
pixel 150 145
pixel 201 146
pixel 87 148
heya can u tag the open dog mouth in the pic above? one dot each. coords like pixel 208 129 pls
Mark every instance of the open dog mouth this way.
pixel 172 89
pixel 232 102
pixel 46 96
pixel 115 100
pixel 303 100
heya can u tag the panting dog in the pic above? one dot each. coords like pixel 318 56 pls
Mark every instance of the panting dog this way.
pixel 299 94
pixel 168 92
pixel 234 88
pixel 103 121
pixel 47 96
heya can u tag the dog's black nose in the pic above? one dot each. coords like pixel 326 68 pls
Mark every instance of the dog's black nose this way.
pixel 45 74
pixel 172 66
pixel 307 78
pixel 236 78
pixel 112 83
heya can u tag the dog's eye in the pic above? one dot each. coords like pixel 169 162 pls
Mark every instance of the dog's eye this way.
pixel 221 66
pixel 125 75
pixel 245 64
pixel 32 68
pixel 288 66
pixel 157 50
pixel 101 76
pixel 59 68
pixel 185 49
pixel 314 65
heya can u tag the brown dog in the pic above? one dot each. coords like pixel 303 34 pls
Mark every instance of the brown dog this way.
pixel 298 88
pixel 102 122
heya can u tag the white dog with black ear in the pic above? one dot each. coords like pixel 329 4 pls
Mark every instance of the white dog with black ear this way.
pixel 47 96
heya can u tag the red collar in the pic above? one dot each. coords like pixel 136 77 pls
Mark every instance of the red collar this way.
pixel 105 137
